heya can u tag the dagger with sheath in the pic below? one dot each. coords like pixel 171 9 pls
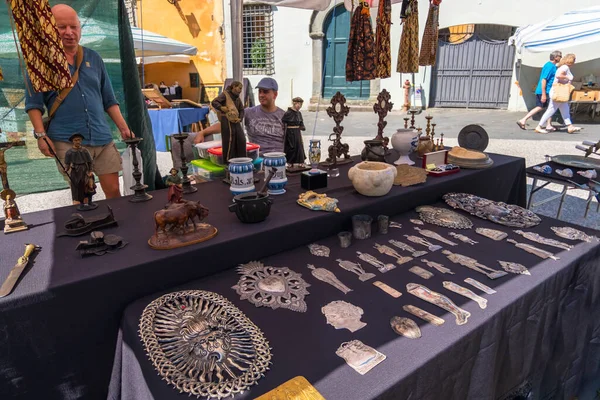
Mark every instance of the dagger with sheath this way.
pixel 17 270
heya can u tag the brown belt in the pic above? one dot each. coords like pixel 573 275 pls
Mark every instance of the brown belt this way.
pixel 293 127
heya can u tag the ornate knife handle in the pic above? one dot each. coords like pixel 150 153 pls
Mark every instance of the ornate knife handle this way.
pixel 29 249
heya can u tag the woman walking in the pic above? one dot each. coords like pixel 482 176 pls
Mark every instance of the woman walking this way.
pixel 563 76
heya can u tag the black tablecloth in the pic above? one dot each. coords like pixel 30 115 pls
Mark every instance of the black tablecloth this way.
pixel 543 328
pixel 59 326
pixel 554 176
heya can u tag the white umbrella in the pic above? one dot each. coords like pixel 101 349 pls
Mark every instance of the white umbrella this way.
pixel 574 31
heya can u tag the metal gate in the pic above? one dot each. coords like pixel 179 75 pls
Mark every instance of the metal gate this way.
pixel 474 74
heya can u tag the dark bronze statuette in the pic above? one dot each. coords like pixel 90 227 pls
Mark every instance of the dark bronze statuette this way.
pixel 100 244
pixel 77 225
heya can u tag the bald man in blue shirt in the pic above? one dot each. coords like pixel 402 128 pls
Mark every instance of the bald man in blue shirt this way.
pixel 83 110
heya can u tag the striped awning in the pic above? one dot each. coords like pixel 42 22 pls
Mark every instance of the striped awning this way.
pixel 566 32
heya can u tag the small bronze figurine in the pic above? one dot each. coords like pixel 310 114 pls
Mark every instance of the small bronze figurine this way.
pixel 100 244
pixel 293 146
pixel 13 221
pixel 173 181
pixel 78 162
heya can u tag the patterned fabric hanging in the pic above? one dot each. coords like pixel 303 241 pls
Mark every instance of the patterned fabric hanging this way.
pixel 429 44
pixel 41 45
pixel 1 75
pixel 360 61
pixel 382 39
pixel 408 53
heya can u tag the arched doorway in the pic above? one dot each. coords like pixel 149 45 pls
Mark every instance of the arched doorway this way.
pixel 336 28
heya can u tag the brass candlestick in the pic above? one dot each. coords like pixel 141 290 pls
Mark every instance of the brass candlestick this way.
pixel 185 181
pixel 406 123
pixel 412 118
pixel 139 188
pixel 433 129
pixel 428 128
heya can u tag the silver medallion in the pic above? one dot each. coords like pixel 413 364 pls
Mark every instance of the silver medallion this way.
pixel 203 345
pixel 533 250
pixel 480 286
pixel 359 356
pixel 406 247
pixel 395 225
pixel 319 250
pixel 424 293
pixel 355 268
pixel 419 240
pixel 463 291
pixel 438 267
pixel 462 238
pixel 275 287
pixel 534 237
pixel 492 234
pixel 388 251
pixel 327 276
pixel 443 217
pixel 417 222
pixel 424 315
pixel 381 266
pixel 473 264
pixel 495 211
pixel 514 268
pixel 343 315
pixel 435 236
pixel 423 273
pixel 405 327
pixel 572 233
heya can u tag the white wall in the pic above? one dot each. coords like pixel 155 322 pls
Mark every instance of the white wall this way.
pixel 293 46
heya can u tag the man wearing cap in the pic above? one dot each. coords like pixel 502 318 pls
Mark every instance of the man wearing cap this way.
pixel 292 119
pixel 263 122
pixel 83 109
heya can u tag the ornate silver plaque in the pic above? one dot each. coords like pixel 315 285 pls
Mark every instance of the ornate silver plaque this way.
pixel 495 211
pixel 437 266
pixel 473 264
pixel 355 268
pixel 514 268
pixel 417 222
pixel 424 315
pixel 319 250
pixel 533 250
pixel 463 291
pixel 405 327
pixel 203 345
pixel 275 287
pixel 424 293
pixel 480 286
pixel 341 314
pixel 433 235
pixel 382 267
pixel 395 225
pixel 419 240
pixel 405 247
pixel 463 238
pixel 327 276
pixel 423 273
pixel 492 233
pixel 443 217
pixel 534 237
pixel 387 250
pixel 572 233
pixel 359 356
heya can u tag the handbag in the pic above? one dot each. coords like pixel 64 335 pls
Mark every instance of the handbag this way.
pixel 62 95
pixel 561 92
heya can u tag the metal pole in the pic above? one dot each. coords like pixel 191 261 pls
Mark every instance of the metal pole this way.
pixel 236 39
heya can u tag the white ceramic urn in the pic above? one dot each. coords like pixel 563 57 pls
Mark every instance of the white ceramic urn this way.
pixel 404 141
pixel 372 178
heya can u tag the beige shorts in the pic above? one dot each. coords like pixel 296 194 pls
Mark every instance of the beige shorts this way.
pixel 106 159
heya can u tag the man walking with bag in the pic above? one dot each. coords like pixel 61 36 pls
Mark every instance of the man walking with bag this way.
pixel 82 107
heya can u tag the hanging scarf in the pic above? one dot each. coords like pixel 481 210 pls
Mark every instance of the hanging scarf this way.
pixel 41 45
pixel 408 53
pixel 360 61
pixel 429 44
pixel 382 39
pixel 1 75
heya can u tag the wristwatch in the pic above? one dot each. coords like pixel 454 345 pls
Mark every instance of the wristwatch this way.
pixel 38 135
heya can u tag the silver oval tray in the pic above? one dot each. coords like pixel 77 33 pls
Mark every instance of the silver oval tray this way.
pixel 577 161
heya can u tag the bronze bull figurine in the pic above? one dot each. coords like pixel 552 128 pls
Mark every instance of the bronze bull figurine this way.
pixel 177 215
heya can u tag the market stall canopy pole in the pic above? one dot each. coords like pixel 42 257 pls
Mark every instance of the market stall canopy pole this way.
pixel 573 29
